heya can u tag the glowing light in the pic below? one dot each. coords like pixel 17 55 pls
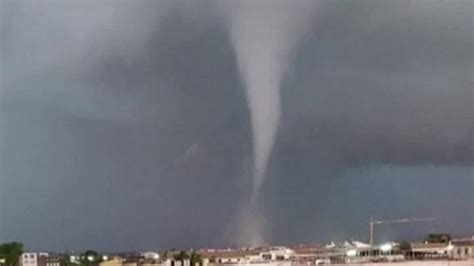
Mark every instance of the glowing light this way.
pixel 105 257
pixel 450 247
pixel 90 258
pixel 351 253
pixel 386 247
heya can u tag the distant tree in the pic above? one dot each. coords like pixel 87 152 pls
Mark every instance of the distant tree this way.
pixel 182 255
pixel 11 252
pixel 212 259
pixel 195 258
pixel 405 246
pixel 66 261
pixel 90 258
pixel 438 238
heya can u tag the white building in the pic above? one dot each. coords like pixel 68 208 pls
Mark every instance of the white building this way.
pixel 462 249
pixel 150 255
pixel 39 259
pixel 29 259
pixel 277 253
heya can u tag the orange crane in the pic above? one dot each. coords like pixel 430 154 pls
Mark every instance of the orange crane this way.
pixel 396 221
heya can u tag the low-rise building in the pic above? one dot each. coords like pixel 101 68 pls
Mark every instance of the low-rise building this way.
pixel 428 251
pixel 277 253
pixel 116 261
pixel 150 255
pixel 462 249
pixel 29 259
pixel 40 259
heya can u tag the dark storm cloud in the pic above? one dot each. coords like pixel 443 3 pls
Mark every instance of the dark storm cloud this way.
pixel 125 125
pixel 142 130
pixel 385 82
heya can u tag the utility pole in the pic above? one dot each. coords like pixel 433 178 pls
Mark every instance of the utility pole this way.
pixel 396 221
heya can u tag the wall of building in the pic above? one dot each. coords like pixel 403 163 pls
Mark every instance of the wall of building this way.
pixel 405 263
pixel 462 253
pixel 419 263
pixel 29 259
pixel 112 262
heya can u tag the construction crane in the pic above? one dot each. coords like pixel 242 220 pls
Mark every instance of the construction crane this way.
pixel 396 221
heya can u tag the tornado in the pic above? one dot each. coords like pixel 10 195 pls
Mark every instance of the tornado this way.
pixel 264 34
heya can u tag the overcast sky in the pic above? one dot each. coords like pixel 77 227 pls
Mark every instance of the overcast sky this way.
pixel 125 124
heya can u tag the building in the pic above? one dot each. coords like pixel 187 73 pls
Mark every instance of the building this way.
pixel 51 260
pixel 462 249
pixel 388 252
pixel 246 255
pixel 150 255
pixel 276 253
pixel 40 259
pixel 428 251
pixel 221 256
pixel 29 259
pixel 116 261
